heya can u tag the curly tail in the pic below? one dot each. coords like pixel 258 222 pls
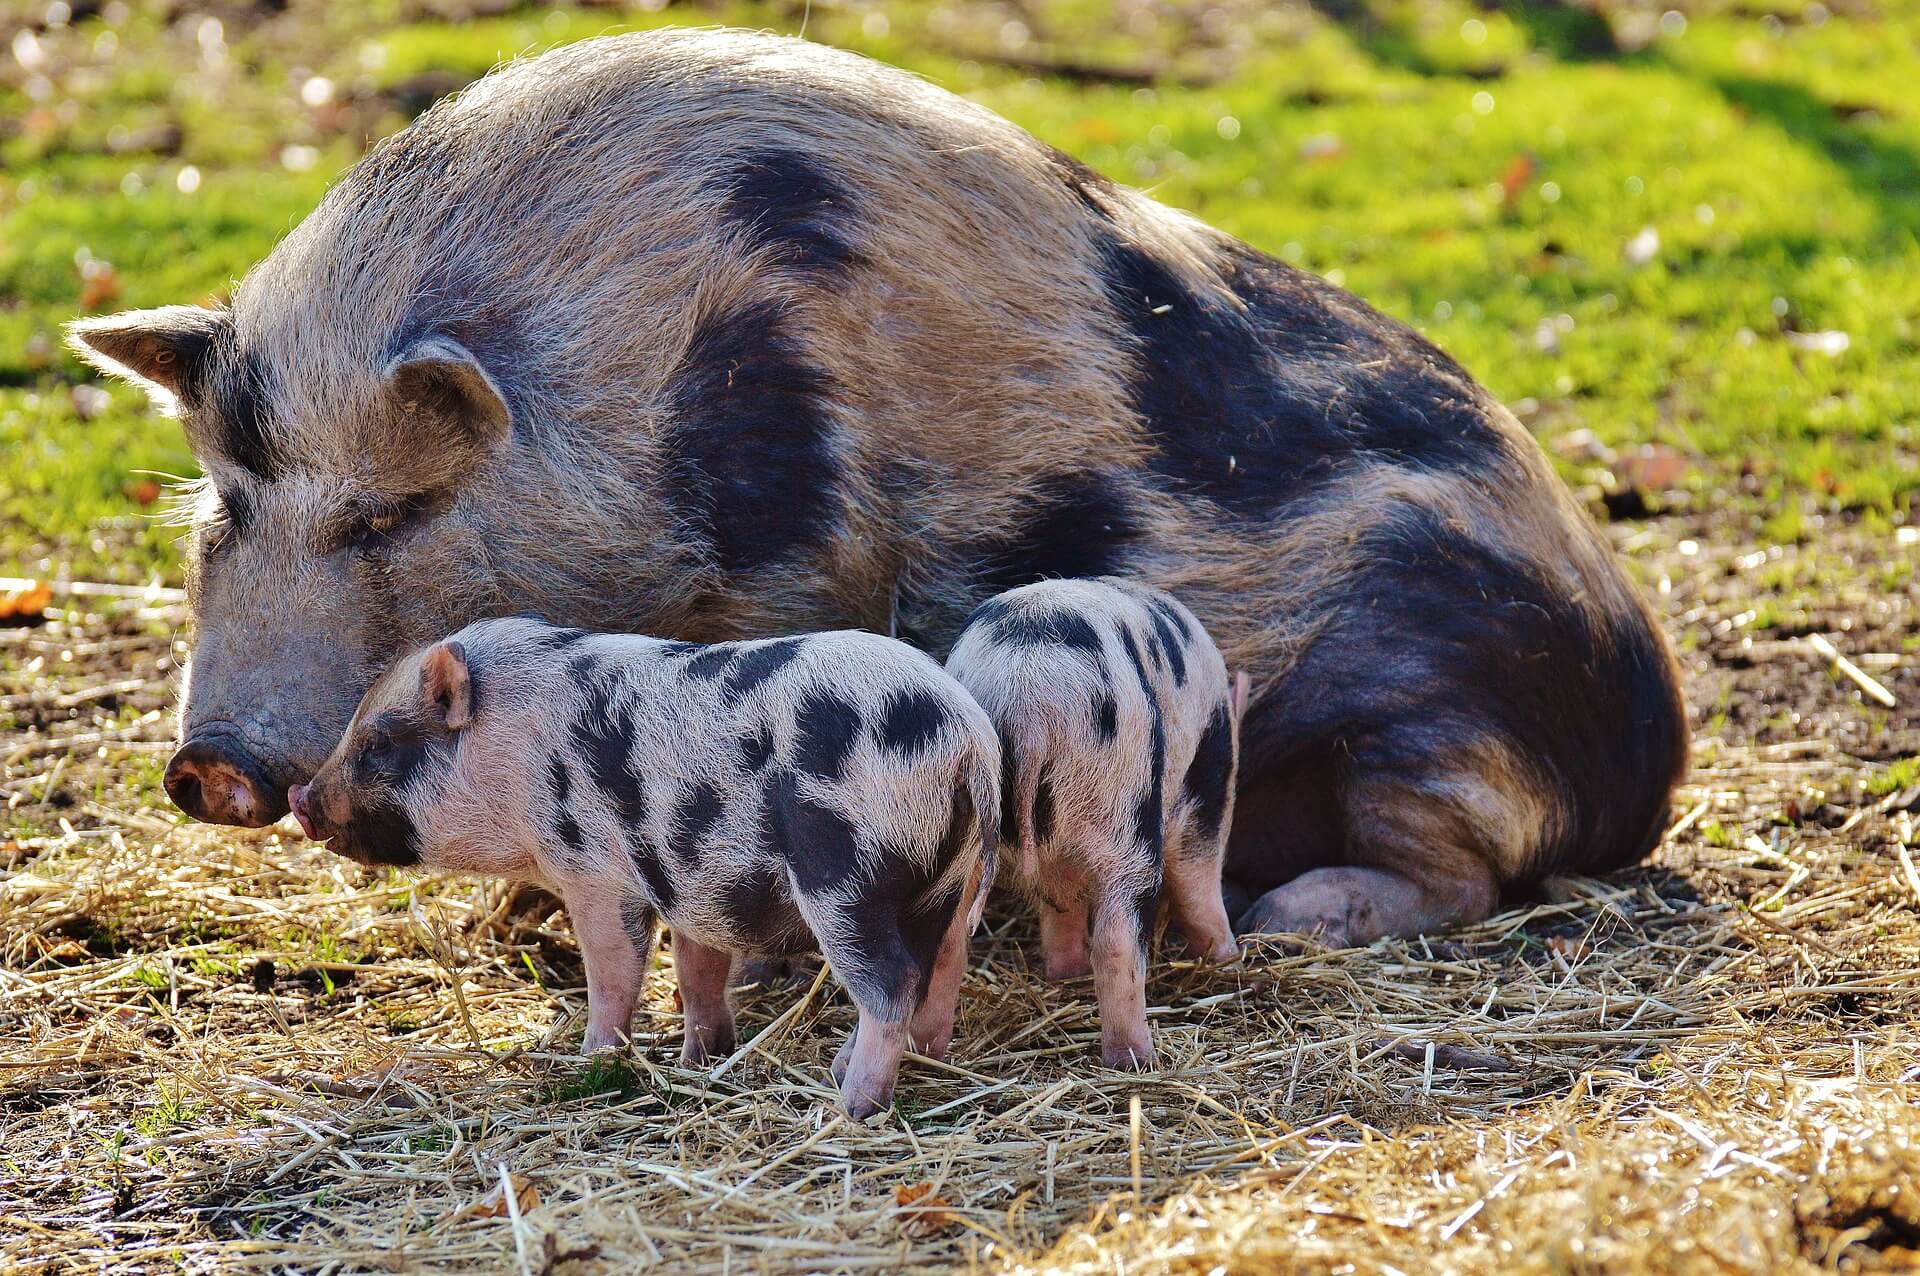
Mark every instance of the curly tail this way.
pixel 983 786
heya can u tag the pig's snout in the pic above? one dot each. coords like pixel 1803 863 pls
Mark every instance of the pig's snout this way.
pixel 297 799
pixel 216 781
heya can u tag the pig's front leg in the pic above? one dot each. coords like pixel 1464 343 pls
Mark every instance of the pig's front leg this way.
pixel 705 1017
pixel 615 940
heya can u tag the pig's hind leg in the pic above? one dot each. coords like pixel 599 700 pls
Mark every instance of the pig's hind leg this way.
pixel 706 1018
pixel 1126 901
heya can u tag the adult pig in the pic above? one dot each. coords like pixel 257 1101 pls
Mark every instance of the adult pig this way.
pixel 719 335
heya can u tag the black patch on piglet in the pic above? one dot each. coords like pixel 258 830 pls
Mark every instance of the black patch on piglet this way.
pixel 828 727
pixel 755 664
pixel 756 746
pixel 658 881
pixel 699 810
pixel 565 827
pixel 757 907
pixel 904 911
pixel 911 720
pixel 1167 639
pixel 819 843
pixel 1042 809
pixel 708 664
pixel 1207 776
pixel 604 732
pixel 1106 717
pixel 1028 628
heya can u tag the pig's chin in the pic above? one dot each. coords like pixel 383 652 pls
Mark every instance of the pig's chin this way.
pixel 379 837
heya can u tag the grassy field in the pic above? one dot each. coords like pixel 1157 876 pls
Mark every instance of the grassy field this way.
pixel 1683 244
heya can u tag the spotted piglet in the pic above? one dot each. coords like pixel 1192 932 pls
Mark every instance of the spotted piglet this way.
pixel 762 797
pixel 1119 736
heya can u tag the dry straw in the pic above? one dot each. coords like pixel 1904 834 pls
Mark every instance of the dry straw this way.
pixel 226 1051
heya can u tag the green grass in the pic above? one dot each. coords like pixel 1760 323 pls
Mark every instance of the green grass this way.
pixel 1895 776
pixel 1773 155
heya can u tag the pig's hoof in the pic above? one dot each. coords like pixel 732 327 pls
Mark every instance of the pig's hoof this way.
pixel 698 1049
pixel 601 1039
pixel 864 1104
pixel 1128 1056
pixel 841 1060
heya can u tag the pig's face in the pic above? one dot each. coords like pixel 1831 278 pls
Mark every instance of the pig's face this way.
pixel 327 539
pixel 399 744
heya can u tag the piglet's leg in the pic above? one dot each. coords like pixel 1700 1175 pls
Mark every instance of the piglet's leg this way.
pixel 706 1018
pixel 931 1025
pixel 1120 930
pixel 1063 935
pixel 1193 890
pixel 616 943
pixel 872 1057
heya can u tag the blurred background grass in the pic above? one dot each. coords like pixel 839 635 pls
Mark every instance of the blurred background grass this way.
pixel 1690 226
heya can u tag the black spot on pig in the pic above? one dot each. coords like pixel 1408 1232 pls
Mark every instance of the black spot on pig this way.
pixel 1042 809
pixel 1207 776
pixel 1229 428
pixel 756 746
pixel 911 720
pixel 756 664
pixel 1148 813
pixel 653 873
pixel 699 810
pixel 396 750
pixel 821 848
pixel 828 727
pixel 1009 792
pixel 750 463
pixel 1132 649
pixel 605 736
pixel 1171 615
pixel 381 832
pixel 1027 628
pixel 795 207
pixel 1082 524
pixel 239 508
pixel 1146 909
pixel 565 827
pixel 755 903
pixel 708 664
pixel 1106 717
pixel 637 919
pixel 905 910
pixel 235 396
pixel 561 639
pixel 1167 639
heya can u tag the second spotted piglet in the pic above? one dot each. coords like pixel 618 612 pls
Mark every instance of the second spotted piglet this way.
pixel 834 788
pixel 1119 737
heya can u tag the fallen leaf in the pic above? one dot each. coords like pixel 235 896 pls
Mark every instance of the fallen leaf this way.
pixel 494 1204
pixel 98 283
pixel 142 491
pixel 1574 950
pixel 26 606
pixel 1651 467
pixel 1518 174
pixel 922 1214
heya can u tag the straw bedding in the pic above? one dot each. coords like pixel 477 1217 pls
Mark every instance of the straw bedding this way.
pixel 228 1050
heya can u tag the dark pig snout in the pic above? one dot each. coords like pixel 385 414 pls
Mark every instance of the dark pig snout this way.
pixel 216 780
pixel 297 799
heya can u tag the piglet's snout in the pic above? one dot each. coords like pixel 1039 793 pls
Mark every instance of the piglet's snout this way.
pixel 297 799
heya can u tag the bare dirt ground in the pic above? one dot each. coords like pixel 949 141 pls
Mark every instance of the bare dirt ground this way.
pixel 222 1050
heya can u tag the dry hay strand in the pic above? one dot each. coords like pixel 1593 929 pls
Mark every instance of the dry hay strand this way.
pixel 229 1050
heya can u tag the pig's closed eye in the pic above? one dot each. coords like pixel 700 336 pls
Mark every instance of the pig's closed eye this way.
pixel 377 525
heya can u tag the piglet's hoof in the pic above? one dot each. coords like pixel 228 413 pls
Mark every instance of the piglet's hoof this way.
pixel 599 1040
pixel 1128 1056
pixel 864 1104
pixel 698 1049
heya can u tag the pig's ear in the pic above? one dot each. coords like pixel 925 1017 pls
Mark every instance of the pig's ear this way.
pixel 165 350
pixel 438 376
pixel 446 686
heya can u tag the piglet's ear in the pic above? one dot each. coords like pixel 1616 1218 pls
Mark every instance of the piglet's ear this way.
pixel 446 686
pixel 438 379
